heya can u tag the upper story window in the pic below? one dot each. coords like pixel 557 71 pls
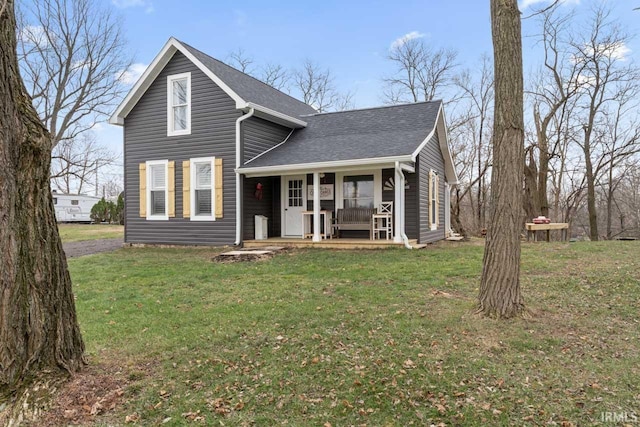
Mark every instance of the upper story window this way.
pixel 157 190
pixel 179 104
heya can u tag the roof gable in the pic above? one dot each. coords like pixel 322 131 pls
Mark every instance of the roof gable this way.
pixel 246 91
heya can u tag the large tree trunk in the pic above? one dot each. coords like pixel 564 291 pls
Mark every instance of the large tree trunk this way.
pixel 500 294
pixel 40 339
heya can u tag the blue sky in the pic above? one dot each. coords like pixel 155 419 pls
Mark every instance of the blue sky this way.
pixel 351 38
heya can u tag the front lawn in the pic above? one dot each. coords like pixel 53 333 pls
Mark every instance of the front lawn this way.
pixel 386 337
pixel 80 232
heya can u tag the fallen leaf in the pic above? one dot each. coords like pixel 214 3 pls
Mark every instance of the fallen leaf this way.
pixel 133 418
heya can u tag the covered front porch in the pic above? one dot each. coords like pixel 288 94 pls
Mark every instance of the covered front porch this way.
pixel 304 208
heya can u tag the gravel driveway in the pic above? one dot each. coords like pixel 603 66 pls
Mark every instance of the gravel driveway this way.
pixel 89 247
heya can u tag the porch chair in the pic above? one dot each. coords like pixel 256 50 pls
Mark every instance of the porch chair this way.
pixel 383 221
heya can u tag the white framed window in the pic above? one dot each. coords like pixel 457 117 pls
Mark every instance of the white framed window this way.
pixel 157 190
pixel 202 189
pixel 179 104
pixel 358 191
pixel 434 185
pixel 355 189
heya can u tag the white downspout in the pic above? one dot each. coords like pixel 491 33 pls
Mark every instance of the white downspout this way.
pixel 238 188
pixel 400 184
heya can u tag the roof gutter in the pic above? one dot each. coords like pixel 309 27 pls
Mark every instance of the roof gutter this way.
pixel 238 184
pixel 309 167
pixel 399 184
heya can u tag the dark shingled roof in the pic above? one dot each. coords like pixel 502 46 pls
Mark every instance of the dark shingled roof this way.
pixel 251 89
pixel 396 130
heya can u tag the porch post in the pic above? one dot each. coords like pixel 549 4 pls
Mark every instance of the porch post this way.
pixel 397 205
pixel 316 207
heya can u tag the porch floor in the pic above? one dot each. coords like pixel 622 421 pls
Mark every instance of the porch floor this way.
pixel 326 243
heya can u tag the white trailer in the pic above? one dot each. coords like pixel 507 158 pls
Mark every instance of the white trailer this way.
pixel 73 207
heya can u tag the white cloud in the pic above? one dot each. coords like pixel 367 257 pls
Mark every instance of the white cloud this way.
pixel 132 74
pixel 619 51
pixel 528 3
pixel 35 35
pixel 409 36
pixel 124 4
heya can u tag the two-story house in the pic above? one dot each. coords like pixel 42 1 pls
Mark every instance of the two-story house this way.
pixel 207 148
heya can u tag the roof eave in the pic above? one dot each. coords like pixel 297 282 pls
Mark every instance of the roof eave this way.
pixel 443 139
pixel 322 166
pixel 275 116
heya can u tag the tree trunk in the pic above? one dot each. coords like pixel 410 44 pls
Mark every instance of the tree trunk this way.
pixel 531 204
pixel 543 175
pixel 456 222
pixel 40 339
pixel 591 190
pixel 500 294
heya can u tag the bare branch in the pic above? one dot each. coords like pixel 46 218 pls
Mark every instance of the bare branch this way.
pixel 422 74
pixel 73 56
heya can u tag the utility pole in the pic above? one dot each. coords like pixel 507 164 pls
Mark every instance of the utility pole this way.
pixel 97 187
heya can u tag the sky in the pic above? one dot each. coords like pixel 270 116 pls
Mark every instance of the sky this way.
pixel 351 38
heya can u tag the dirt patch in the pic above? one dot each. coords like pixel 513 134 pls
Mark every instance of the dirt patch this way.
pixel 95 391
pixel 90 247
pixel 248 257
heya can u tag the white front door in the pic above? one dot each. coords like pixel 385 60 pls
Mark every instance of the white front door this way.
pixel 294 200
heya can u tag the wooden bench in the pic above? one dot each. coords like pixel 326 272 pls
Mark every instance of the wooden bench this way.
pixel 354 219
pixel 532 228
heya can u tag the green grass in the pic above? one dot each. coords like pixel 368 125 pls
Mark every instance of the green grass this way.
pixel 80 232
pixel 385 337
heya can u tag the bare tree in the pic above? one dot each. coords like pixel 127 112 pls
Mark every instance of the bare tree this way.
pixel 275 75
pixel 76 162
pixel 72 54
pixel 603 71
pixel 422 73
pixel 315 86
pixel 40 341
pixel 240 60
pixel 619 137
pixel 500 295
pixel 555 86
pixel 477 91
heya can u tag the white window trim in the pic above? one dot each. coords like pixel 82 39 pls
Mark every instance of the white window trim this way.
pixel 170 80
pixel 434 178
pixel 164 217
pixel 377 186
pixel 192 189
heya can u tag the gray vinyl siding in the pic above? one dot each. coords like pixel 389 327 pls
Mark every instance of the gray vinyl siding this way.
pixel 411 223
pixel 259 135
pixel 430 158
pixel 213 117
pixel 410 197
pixel 268 206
